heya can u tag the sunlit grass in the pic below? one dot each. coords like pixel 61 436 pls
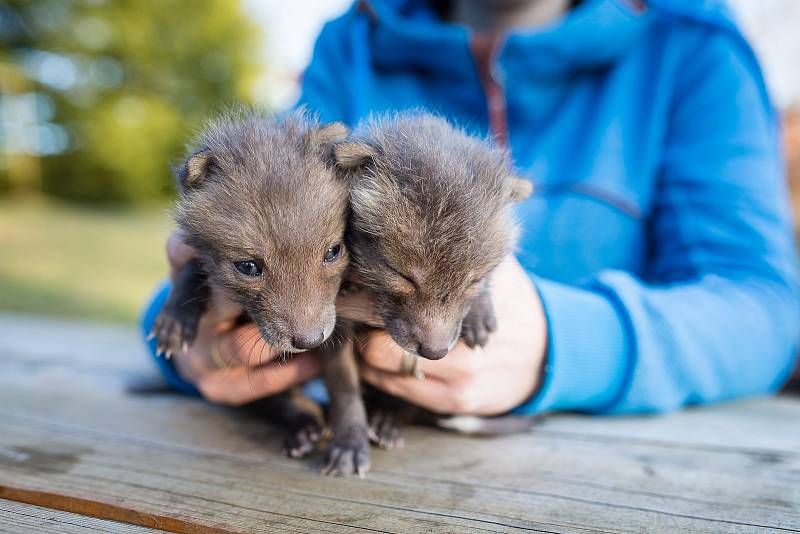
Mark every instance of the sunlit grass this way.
pixel 79 262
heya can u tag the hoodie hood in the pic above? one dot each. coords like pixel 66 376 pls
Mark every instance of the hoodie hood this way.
pixel 596 34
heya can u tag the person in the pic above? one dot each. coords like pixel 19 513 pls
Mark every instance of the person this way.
pixel 656 266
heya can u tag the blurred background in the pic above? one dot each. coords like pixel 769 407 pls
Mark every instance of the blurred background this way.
pixel 99 97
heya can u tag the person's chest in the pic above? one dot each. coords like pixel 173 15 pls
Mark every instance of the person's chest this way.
pixel 591 144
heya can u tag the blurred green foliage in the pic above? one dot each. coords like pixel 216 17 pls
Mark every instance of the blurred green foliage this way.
pixel 117 88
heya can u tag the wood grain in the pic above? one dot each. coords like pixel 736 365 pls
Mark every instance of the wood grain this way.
pixel 20 518
pixel 71 438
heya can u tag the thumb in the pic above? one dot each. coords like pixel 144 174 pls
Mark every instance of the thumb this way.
pixel 178 252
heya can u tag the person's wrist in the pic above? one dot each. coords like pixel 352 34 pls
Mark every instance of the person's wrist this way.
pixel 585 355
pixel 540 352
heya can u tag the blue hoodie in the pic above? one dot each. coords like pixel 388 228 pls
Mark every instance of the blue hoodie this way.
pixel 659 233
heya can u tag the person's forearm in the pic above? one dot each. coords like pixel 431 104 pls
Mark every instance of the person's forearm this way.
pixel 623 346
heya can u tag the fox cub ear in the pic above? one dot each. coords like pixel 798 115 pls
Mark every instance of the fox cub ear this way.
pixel 192 172
pixel 350 155
pixel 331 133
pixel 520 189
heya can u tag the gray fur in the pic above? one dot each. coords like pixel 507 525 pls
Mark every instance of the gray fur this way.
pixel 263 188
pixel 432 203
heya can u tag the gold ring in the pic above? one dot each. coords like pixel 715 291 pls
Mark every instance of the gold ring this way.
pixel 216 357
pixel 409 366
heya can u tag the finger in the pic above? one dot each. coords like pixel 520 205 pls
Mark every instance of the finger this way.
pixel 178 252
pixel 244 347
pixel 379 350
pixel 240 385
pixel 223 311
pixel 430 393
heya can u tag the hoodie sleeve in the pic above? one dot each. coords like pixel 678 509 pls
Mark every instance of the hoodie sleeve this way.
pixel 718 317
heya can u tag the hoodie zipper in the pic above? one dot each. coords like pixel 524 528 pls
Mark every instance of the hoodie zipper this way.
pixel 485 48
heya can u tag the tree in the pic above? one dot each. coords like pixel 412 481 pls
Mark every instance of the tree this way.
pixel 116 88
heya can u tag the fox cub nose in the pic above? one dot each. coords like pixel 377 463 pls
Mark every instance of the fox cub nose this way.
pixel 307 340
pixel 432 353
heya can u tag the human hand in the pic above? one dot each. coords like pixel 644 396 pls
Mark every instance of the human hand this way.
pixel 233 364
pixel 486 381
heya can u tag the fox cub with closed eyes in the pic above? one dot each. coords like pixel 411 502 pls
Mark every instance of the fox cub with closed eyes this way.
pixel 431 218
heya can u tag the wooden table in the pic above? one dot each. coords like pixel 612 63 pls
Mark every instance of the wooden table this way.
pixel 78 453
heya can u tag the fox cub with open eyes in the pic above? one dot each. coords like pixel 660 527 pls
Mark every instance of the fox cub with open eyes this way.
pixel 266 210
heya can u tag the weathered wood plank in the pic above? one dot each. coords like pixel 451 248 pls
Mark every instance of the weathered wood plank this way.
pixel 758 424
pixel 180 459
pixel 21 518
pixel 498 499
pixel 236 493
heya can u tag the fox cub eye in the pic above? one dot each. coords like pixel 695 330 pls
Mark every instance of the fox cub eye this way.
pixel 248 268
pixel 332 253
